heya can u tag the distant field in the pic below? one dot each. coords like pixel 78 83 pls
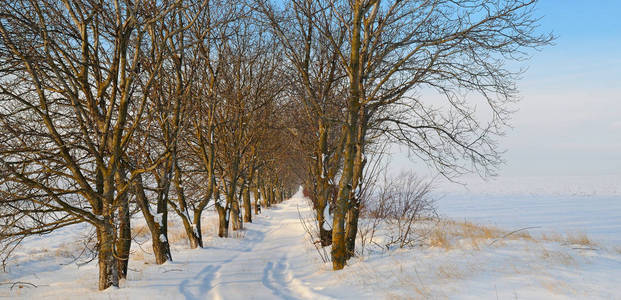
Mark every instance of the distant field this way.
pixel 590 205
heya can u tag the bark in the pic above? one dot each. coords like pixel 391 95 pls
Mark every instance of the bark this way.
pixel 351 229
pixel 325 236
pixel 108 268
pixel 270 200
pixel 345 185
pixel 197 229
pixel 256 194
pixel 223 221
pixel 190 230
pixel 124 241
pixel 182 211
pixel 264 195
pixel 338 226
pixel 106 235
pixel 207 155
pixel 234 211
pixel 156 224
pixel 353 212
pixel 277 195
pixel 161 247
pixel 247 205
pixel 257 201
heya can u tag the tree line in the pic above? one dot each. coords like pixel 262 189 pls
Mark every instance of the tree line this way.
pixel 111 110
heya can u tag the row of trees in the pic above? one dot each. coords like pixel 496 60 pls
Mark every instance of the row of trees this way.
pixel 112 107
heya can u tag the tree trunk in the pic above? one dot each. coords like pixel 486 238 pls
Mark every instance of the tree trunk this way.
pixel 351 229
pixel 338 225
pixel 278 195
pixel 256 194
pixel 264 196
pixel 182 211
pixel 353 211
pixel 108 267
pixel 156 224
pixel 257 201
pixel 247 205
pixel 325 235
pixel 124 241
pixel 353 106
pixel 234 212
pixel 190 231
pixel 198 230
pixel 223 221
pixel 106 237
pixel 161 247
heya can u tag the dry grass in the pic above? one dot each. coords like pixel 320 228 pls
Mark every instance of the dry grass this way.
pixel 552 237
pixel 571 238
pixel 439 238
pixel 579 238
pixel 177 234
pixel 447 234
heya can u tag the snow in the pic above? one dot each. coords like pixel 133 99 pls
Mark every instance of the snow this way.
pixel 273 258
pixel 327 224
pixel 587 204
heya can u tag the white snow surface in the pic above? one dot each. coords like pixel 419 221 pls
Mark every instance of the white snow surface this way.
pixel 562 204
pixel 272 258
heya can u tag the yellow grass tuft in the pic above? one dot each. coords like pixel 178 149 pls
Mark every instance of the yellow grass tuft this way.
pixel 177 234
pixel 439 238
pixel 579 238
pixel 571 238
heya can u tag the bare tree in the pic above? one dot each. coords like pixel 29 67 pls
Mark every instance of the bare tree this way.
pixel 72 83
pixel 389 51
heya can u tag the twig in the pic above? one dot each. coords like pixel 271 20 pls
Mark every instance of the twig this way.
pixel 512 232
pixel 172 270
pixel 585 248
pixel 18 282
pixel 309 232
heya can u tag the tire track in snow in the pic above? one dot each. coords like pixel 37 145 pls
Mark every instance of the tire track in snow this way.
pixel 263 269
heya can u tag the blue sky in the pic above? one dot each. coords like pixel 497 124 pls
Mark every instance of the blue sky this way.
pixel 569 119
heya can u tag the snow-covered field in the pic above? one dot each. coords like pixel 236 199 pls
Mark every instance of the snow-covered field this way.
pixel 272 258
pixel 579 204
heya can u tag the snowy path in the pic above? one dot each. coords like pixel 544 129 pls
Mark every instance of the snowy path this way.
pixel 262 268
